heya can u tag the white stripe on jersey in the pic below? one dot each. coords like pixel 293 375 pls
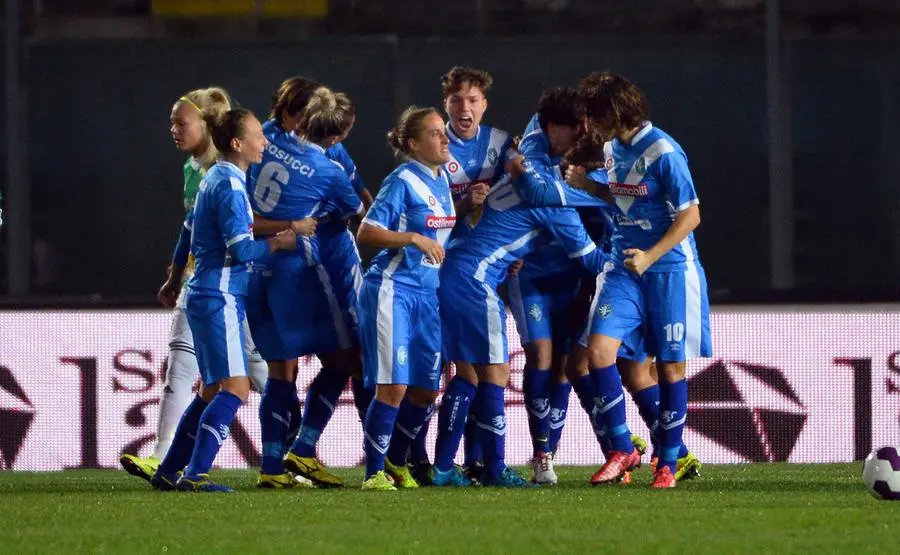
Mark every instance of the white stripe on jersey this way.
pixel 583 252
pixel 481 272
pixel 431 201
pixel 225 279
pixel 384 324
pixel 651 154
pixel 489 168
pixel 237 238
pixel 458 176
pixel 494 326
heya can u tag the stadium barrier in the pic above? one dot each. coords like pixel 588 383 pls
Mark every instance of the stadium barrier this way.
pixel 812 384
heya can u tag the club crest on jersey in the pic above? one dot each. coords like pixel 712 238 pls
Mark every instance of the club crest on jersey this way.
pixel 604 310
pixel 453 166
pixel 535 313
pixel 492 156
pixel 440 222
pixel 402 355
pixel 640 167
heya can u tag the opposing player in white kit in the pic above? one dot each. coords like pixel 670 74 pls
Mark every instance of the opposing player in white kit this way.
pixel 191 135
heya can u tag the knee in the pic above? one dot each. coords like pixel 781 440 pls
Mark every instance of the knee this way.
pixel 602 353
pixel 467 372
pixel 181 371
pixel 421 397
pixel 539 354
pixel 671 372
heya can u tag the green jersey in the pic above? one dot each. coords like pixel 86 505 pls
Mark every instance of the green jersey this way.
pixel 193 175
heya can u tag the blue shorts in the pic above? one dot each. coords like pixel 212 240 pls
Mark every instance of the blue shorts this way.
pixel 217 325
pixel 340 257
pixel 473 318
pixel 542 307
pixel 294 312
pixel 671 309
pixel 401 335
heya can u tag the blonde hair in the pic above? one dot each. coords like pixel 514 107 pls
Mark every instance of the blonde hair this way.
pixel 211 102
pixel 327 114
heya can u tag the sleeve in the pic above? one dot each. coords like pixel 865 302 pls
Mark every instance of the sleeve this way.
pixel 599 175
pixel 183 246
pixel 389 205
pixel 539 186
pixel 234 223
pixel 566 226
pixel 340 155
pixel 507 153
pixel 344 197
pixel 676 181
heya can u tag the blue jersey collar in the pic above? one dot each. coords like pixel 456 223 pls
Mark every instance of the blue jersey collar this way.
pixel 313 146
pixel 232 167
pixel 646 128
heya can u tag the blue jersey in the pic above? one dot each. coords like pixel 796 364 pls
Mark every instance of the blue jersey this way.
pixel 509 230
pixel 540 185
pixel 296 180
pixel 481 159
pixel 411 199
pixel 340 155
pixel 222 226
pixel 650 183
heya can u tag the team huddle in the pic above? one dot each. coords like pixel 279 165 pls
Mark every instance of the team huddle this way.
pixel 583 226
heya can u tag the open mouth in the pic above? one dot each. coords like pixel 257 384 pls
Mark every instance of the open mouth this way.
pixel 465 122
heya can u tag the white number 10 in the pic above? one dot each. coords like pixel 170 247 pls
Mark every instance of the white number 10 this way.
pixel 674 332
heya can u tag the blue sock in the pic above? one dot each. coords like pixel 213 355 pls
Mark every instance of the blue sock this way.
pixel 559 406
pixel 609 398
pixel 377 429
pixel 321 398
pixel 418 453
pixel 584 389
pixel 536 387
pixel 215 423
pixel 295 409
pixel 179 452
pixel 672 415
pixel 647 401
pixel 474 455
pixel 362 397
pixel 491 415
pixel 410 420
pixel 274 420
pixel 452 421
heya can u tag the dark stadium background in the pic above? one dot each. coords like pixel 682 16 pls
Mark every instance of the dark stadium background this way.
pixel 791 141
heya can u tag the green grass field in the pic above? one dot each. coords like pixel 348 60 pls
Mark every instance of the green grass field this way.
pixel 776 508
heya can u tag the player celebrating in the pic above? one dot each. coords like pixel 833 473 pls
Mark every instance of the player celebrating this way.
pixel 478 156
pixel 191 135
pixel 658 282
pixel 473 316
pixel 411 220
pixel 222 244
pixel 293 306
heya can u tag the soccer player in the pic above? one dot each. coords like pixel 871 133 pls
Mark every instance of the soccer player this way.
pixel 191 135
pixel 222 244
pixel 293 305
pixel 473 316
pixel 478 157
pixel 658 282
pixel 411 220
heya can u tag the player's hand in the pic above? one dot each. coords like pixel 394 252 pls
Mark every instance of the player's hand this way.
pixel 168 293
pixel 305 227
pixel 576 176
pixel 432 250
pixel 638 260
pixel 284 240
pixel 478 193
pixel 516 167
pixel 515 267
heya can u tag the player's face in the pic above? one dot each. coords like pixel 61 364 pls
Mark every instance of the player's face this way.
pixel 253 144
pixel 431 145
pixel 465 108
pixel 562 137
pixel 187 127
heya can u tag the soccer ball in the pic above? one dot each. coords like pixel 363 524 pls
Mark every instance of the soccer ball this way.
pixel 881 473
